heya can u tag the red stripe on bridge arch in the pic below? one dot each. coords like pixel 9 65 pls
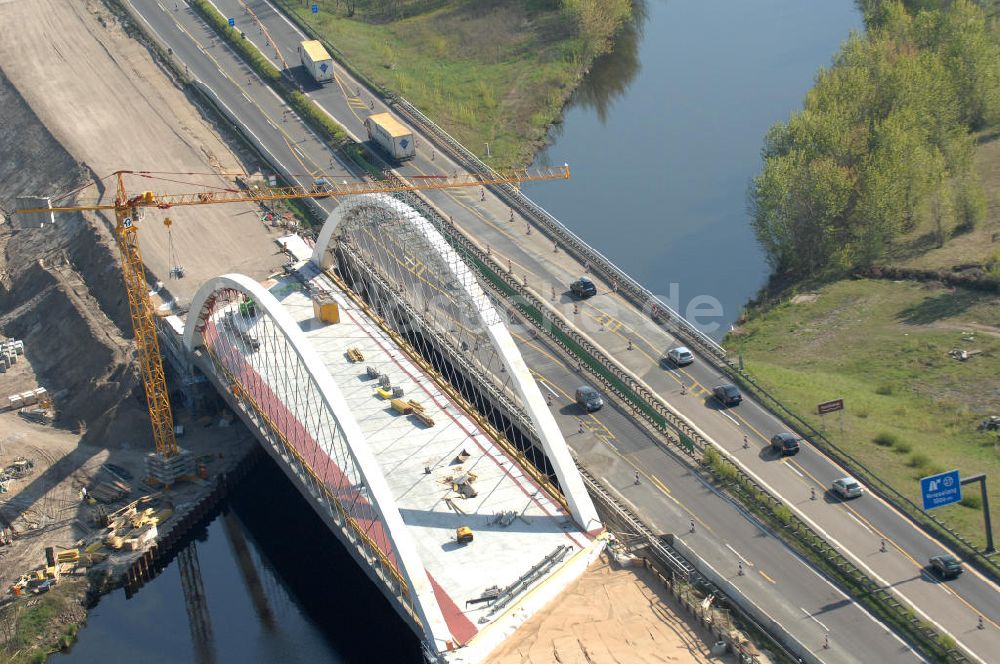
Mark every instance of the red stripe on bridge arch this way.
pixel 331 474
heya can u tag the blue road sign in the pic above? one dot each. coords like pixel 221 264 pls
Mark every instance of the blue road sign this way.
pixel 941 489
pixel 315 8
pixel 232 22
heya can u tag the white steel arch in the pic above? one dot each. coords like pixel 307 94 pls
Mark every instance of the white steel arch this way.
pixel 553 443
pixel 411 568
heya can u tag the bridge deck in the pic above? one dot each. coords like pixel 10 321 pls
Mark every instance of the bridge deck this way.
pixel 405 447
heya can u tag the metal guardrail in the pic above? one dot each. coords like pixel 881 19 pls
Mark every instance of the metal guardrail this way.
pixel 621 382
pixel 647 405
pixel 594 260
pixel 678 565
pixel 641 296
pixel 984 562
pixel 658 310
pixel 586 254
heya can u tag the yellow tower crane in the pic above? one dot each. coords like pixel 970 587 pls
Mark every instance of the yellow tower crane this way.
pixel 127 210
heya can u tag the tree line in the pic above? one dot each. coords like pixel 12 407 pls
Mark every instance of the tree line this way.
pixel 883 147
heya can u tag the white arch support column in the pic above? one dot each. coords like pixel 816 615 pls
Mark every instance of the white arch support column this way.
pixel 410 566
pixel 553 443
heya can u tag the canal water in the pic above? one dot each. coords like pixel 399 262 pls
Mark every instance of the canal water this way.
pixel 312 605
pixel 663 138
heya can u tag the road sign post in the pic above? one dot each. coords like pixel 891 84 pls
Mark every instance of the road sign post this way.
pixel 828 407
pixel 940 490
pixel 232 23
pixel 987 522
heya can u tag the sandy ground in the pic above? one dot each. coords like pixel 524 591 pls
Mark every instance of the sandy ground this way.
pixel 608 616
pixel 104 99
pixel 46 508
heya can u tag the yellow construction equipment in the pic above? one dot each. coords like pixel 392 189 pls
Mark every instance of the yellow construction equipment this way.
pixel 127 211
pixel 463 534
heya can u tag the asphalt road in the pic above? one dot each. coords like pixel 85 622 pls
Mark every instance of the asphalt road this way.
pixel 856 528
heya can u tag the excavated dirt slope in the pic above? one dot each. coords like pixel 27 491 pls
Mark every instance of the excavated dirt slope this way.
pixel 107 102
pixel 73 347
pixel 79 99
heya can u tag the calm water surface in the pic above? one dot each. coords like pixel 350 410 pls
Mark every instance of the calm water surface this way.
pixel 314 604
pixel 665 135
pixel 663 139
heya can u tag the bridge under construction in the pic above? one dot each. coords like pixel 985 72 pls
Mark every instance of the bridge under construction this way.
pixel 382 378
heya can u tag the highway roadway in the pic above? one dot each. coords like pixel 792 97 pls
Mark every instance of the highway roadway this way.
pixel 856 528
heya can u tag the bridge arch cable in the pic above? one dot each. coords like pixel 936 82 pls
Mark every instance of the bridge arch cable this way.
pixel 267 375
pixel 413 286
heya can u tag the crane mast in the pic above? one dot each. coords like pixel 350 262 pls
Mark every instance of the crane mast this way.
pixel 143 324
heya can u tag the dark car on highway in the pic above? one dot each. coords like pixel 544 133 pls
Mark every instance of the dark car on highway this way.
pixel 785 443
pixel 946 566
pixel 583 288
pixel 728 394
pixel 589 398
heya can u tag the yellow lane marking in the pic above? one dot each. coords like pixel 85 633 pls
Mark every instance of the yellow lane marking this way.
pixel 766 576
pixel 348 97
pixel 661 485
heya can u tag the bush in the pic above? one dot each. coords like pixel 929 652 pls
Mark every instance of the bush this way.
pixel 902 447
pixel 919 460
pixel 884 390
pixel 886 439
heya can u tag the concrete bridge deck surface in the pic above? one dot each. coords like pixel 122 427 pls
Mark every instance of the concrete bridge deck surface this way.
pixel 611 321
pixel 431 508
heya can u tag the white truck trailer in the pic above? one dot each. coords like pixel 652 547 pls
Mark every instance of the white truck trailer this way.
pixel 316 60
pixel 395 138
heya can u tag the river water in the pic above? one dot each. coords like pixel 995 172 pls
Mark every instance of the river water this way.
pixel 663 138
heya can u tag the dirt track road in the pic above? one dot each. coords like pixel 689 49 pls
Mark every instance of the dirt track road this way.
pixel 100 94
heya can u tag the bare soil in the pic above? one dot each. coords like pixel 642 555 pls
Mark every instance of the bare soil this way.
pixel 608 616
pixel 103 98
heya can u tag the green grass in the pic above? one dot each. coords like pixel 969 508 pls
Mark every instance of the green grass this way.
pixel 882 347
pixel 486 71
pixel 36 633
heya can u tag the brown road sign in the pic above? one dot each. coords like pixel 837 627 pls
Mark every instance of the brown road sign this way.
pixel 830 406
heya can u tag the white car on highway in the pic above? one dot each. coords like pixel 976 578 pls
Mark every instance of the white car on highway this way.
pixel 847 487
pixel 680 356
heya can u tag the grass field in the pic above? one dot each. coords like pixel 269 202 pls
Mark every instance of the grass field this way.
pixel 882 346
pixel 32 628
pixel 488 71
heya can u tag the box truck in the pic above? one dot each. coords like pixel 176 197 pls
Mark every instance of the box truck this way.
pixel 316 60
pixel 395 138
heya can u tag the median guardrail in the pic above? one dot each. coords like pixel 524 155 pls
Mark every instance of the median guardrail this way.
pixel 703 454
pixel 657 310
pixel 933 525
pixel 646 404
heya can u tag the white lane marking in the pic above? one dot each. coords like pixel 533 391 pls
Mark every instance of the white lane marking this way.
pixel 833 541
pixel 286 19
pixel 739 555
pixel 861 523
pixel 731 418
pixel 793 469
pixel 551 391
pixel 814 618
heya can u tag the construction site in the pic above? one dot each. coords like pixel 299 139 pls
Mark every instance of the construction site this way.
pixel 135 386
